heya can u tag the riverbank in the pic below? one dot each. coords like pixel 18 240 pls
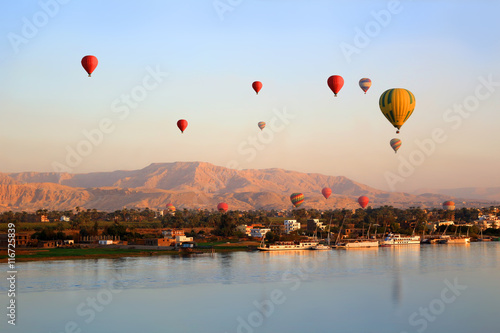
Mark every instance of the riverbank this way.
pixel 99 252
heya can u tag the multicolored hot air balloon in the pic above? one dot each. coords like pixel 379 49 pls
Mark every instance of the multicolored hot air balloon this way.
pixel 257 86
pixel 397 105
pixel 170 207
pixel 261 125
pixel 326 191
pixel 222 207
pixel 363 201
pixel 89 63
pixel 297 199
pixel 448 205
pixel 335 82
pixel 395 144
pixel 182 124
pixel 365 84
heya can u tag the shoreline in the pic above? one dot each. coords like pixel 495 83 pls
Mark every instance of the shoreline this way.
pixel 36 254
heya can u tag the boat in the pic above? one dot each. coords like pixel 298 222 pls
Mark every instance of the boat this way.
pixel 358 244
pixel 397 239
pixel 321 247
pixel 287 246
pixel 459 240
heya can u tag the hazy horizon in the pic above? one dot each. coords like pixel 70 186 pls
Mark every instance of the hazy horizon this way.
pixel 197 61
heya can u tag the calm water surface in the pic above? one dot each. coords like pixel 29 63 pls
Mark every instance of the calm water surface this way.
pixel 433 288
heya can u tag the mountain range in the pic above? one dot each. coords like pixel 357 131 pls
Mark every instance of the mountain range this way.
pixel 195 185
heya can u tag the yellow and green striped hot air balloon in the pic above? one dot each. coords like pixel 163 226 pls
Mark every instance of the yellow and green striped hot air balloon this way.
pixel 397 105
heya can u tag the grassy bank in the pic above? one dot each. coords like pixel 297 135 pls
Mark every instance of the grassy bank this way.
pixel 34 254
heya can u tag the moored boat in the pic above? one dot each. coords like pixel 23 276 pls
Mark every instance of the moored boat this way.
pixel 397 239
pixel 357 244
pixel 320 247
pixel 287 246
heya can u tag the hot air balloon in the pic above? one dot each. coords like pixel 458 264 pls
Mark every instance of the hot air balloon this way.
pixel 170 207
pixel 335 82
pixel 448 205
pixel 262 124
pixel 222 207
pixel 297 199
pixel 365 84
pixel 397 105
pixel 182 124
pixel 326 191
pixel 89 63
pixel 395 144
pixel 257 86
pixel 363 201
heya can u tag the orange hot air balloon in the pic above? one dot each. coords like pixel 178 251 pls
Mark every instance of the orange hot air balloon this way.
pixel 335 82
pixel 448 205
pixel 326 192
pixel 170 207
pixel 182 124
pixel 363 201
pixel 222 207
pixel 257 86
pixel 89 63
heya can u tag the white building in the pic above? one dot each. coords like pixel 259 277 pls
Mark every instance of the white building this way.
pixel 105 241
pixel 291 225
pixel 64 218
pixel 182 238
pixel 259 233
pixel 432 226
pixel 488 221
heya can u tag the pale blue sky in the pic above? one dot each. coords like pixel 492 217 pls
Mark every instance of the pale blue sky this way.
pixel 436 49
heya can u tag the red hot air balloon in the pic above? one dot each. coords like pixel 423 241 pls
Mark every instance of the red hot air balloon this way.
pixel 182 124
pixel 222 207
pixel 89 63
pixel 326 192
pixel 335 82
pixel 363 201
pixel 257 86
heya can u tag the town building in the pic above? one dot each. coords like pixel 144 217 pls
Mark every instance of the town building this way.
pixel 159 242
pixel 64 218
pixel 259 232
pixel 314 225
pixel 291 225
pixel 172 233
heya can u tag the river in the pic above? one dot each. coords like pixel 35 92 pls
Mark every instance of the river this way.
pixel 417 288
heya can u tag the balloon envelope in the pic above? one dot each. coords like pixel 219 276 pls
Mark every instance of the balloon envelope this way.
pixel 89 63
pixel 365 84
pixel 363 201
pixel 257 86
pixel 222 207
pixel 448 205
pixel 262 124
pixel 297 199
pixel 170 207
pixel 335 82
pixel 182 124
pixel 326 191
pixel 397 105
pixel 395 144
